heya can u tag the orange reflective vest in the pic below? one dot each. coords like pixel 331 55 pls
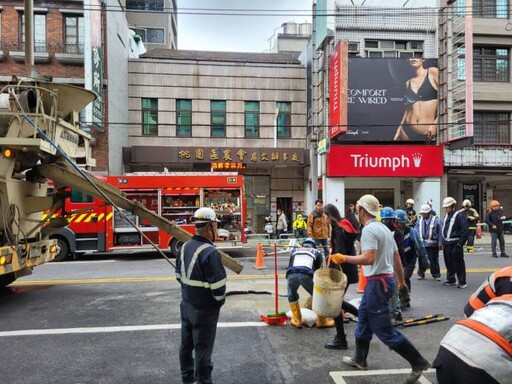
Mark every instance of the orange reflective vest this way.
pixel 497 284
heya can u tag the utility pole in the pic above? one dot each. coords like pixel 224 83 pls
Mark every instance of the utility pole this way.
pixel 314 107
pixel 29 35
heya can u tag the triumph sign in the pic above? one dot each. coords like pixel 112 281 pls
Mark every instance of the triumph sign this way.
pixel 385 161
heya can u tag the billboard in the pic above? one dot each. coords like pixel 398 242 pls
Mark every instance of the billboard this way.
pixel 380 161
pixel 338 89
pixel 391 100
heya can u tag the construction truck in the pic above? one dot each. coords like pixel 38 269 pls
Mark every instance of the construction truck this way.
pixel 41 140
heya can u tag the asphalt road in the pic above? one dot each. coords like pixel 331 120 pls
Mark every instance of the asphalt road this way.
pixel 117 321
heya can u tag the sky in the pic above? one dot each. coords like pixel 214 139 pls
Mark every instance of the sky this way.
pixel 254 30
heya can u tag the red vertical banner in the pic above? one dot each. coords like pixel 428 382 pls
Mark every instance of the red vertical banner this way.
pixel 338 85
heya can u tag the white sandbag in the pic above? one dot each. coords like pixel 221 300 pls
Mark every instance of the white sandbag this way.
pixel 309 317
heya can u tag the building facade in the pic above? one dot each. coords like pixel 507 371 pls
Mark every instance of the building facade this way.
pixel 364 76
pixel 476 100
pixel 223 111
pixel 155 21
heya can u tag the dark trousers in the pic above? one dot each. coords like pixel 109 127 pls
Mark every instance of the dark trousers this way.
pixel 495 237
pixel 454 260
pixel 323 243
pixel 410 264
pixel 198 329
pixel 471 237
pixel 338 320
pixel 452 370
pixel 373 314
pixel 433 258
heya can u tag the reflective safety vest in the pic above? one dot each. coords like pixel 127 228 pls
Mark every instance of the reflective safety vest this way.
pixel 483 340
pixel 304 260
pixel 203 280
pixel 450 227
pixel 497 284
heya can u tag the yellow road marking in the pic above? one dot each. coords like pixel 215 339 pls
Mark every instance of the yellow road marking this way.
pixel 111 280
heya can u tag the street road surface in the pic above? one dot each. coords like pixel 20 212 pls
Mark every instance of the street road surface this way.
pixel 117 321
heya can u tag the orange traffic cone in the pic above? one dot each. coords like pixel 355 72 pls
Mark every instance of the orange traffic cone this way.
pixel 260 263
pixel 362 281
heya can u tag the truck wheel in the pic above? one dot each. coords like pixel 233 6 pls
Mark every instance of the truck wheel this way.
pixel 176 247
pixel 7 279
pixel 62 250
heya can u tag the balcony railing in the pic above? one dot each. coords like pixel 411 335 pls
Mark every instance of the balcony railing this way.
pixel 70 48
pixel 43 47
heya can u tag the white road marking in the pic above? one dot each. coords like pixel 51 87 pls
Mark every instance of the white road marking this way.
pixel 127 328
pixel 339 376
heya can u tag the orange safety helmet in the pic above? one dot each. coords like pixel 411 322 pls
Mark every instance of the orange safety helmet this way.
pixel 495 203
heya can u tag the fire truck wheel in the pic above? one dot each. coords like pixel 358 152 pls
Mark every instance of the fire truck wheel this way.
pixel 62 250
pixel 176 247
pixel 7 279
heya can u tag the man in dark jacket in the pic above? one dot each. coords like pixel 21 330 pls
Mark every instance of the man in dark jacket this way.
pixel 203 288
pixel 455 235
pixel 494 219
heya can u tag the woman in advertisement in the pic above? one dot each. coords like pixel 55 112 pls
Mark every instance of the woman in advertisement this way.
pixel 420 117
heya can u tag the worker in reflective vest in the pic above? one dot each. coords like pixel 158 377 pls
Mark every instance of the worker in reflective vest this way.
pixel 497 284
pixel 478 350
pixel 472 217
pixel 203 289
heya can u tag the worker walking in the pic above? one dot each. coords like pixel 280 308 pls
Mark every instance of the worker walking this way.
pixel 494 219
pixel 301 267
pixel 472 217
pixel 430 232
pixel 300 229
pixel 455 235
pixel 379 259
pixel 203 288
pixel 411 213
pixel 478 350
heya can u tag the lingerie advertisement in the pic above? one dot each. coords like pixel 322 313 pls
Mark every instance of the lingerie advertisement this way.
pixel 392 100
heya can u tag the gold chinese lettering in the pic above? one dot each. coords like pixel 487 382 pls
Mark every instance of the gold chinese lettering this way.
pixel 254 157
pixel 274 156
pixel 264 156
pixel 241 153
pixel 184 154
pixel 213 154
pixel 295 157
pixel 285 156
pixel 226 155
pixel 199 154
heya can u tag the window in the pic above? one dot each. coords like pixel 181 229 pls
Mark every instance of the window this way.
pixel 371 44
pixel 491 64
pixel 80 197
pixel 145 5
pixel 74 34
pixel 491 128
pixel 284 120
pixel 252 118
pixel 490 8
pixel 151 35
pixel 149 117
pixel 184 118
pixel 39 32
pixel 218 118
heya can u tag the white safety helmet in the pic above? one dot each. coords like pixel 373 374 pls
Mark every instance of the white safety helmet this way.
pixel 425 208
pixel 204 215
pixel 370 204
pixel 410 201
pixel 448 202
pixel 466 203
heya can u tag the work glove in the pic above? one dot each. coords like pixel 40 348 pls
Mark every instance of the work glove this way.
pixel 338 258
pixel 403 294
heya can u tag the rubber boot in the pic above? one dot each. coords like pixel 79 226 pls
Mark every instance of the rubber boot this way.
pixel 324 322
pixel 418 362
pixel 359 360
pixel 340 340
pixel 296 319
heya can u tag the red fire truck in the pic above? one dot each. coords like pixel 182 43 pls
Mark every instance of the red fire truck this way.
pixel 97 227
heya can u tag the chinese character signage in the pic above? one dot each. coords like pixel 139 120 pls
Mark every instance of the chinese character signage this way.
pixel 338 89
pixel 220 158
pixel 93 61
